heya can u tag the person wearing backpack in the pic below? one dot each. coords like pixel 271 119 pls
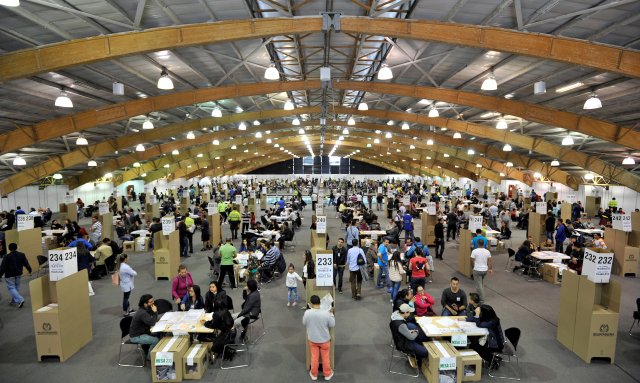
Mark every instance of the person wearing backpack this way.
pixel 356 259
pixel 419 270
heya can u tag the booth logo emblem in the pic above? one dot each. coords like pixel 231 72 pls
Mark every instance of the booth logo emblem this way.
pixel 46 326
pixel 604 328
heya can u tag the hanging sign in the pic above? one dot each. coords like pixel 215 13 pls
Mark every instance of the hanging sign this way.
pixel 321 224
pixel 168 225
pixel 541 207
pixel 25 221
pixel 324 269
pixel 597 266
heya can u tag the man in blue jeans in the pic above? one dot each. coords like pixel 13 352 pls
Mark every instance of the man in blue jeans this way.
pixel 11 268
pixel 145 317
pixel 383 262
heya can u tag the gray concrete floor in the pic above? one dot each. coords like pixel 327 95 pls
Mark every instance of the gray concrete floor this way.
pixel 362 335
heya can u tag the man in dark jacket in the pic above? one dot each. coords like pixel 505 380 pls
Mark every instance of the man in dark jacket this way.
pixel 339 262
pixel 11 268
pixel 550 225
pixel 407 339
pixel 145 317
pixel 438 230
pixel 452 225
pixel 251 308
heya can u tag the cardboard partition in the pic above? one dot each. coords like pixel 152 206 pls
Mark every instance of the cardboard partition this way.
pixel 29 242
pixel 565 211
pixel 195 361
pixel 107 225
pixel 427 234
pixel 215 228
pixel 464 253
pixel 591 206
pixel 142 244
pixel 470 361
pixel 629 264
pixel 318 241
pixel 64 329
pixel 442 360
pixel 166 254
pixel 617 240
pixel 568 306
pixel 153 210
pixel 536 227
pixel 68 211
pixel 167 359
pixel 550 274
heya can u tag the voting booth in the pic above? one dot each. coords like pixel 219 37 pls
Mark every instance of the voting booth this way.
pixel 107 225
pixel 428 235
pixel 68 211
pixel 318 240
pixel 464 253
pixel 215 228
pixel 536 227
pixel 61 314
pixel 29 241
pixel 166 250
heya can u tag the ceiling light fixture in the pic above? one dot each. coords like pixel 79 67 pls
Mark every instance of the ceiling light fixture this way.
pixel 376 141
pixel 296 121
pixel 63 100
pixel 429 141
pixel 555 163
pixel 388 135
pixel 589 176
pixel 19 161
pixel 216 112
pixel 471 152
pixel 433 112
pixel 10 3
pixel 57 176
pixel 502 124
pixel 506 148
pixel 405 126
pixel 81 141
pixel 509 164
pixel 108 175
pixel 300 131
pixel 288 105
pixel 136 164
pixel 269 140
pixel 457 135
pixel 593 102
pixel 191 136
pixel 258 135
pixel 345 131
pixel 140 148
pixel 271 73
pixel 256 123
pixel 164 82
pixel 242 126
pixel 92 164
pixel 390 123
pixel 363 106
pixel 569 87
pixel 385 73
pixel 490 83
pixel 567 141
pixel 175 152
pixel 537 175
pixel 216 142
pixel 147 124
pixel 628 161
pixel 351 121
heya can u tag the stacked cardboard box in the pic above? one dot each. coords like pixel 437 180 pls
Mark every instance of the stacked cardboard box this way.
pixel 442 360
pixel 167 356
pixel 195 361
pixel 469 367
pixel 166 254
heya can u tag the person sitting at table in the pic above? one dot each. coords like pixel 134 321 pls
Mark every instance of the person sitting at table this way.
pixel 474 302
pixel 547 245
pixel 55 225
pixel 69 231
pixel 268 262
pixel 222 321
pixel 251 308
pixel 245 247
pixel 193 300
pixel 424 303
pixel 577 257
pixel 286 234
pixel 144 318
pixel 214 297
pixel 406 339
pixel 454 299
pixel 103 252
pixel 505 232
pixel 392 232
pixel 485 317
pixel 569 248
pixel 523 255
pixel 598 242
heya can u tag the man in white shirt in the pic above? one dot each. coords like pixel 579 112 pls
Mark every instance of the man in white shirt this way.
pixel 482 264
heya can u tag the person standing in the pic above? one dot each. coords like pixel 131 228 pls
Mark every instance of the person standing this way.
pixel 439 234
pixel 351 234
pixel 339 263
pixel 318 322
pixel 96 230
pixel 482 264
pixel 419 269
pixel 228 253
pixel 181 284
pixel 246 219
pixel 356 259
pixel 292 285
pixel 407 220
pixel 127 275
pixel 234 221
pixel 396 273
pixel 11 269
pixel 452 225
pixel 549 225
pixel 383 264
pixel 454 299
pixel 561 235
pixel 205 234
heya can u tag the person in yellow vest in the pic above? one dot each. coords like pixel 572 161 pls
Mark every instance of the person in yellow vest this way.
pixel 222 210
pixel 234 221
pixel 613 205
pixel 191 228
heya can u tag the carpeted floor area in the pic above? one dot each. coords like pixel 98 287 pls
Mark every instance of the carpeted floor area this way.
pixel 362 331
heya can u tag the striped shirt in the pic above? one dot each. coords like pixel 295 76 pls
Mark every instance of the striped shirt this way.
pixel 246 217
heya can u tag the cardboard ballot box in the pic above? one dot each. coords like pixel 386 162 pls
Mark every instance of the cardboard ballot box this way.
pixel 442 360
pixel 166 359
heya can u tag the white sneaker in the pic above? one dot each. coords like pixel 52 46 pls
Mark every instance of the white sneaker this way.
pixel 312 377
pixel 288 304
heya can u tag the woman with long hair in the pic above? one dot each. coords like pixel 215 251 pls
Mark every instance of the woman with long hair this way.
pixel 127 275
pixel 193 300
pixel 215 297
pixel 395 274
pixel 485 317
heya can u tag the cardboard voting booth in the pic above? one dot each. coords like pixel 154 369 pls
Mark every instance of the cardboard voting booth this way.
pixel 464 253
pixel 536 227
pixel 61 315
pixel 153 210
pixel 68 211
pixel 318 241
pixel 107 225
pixel 215 228
pixel 166 254
pixel 588 317
pixel 428 235
pixel 29 242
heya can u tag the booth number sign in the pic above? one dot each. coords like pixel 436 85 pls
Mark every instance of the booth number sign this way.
pixel 324 269
pixel 621 222
pixel 164 358
pixel 447 364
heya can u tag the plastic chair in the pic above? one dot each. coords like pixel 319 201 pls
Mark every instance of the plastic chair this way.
pixel 509 351
pixel 238 348
pixel 510 259
pixel 125 324
pixel 251 328
pixel 400 354
pixel 636 316
pixel 164 306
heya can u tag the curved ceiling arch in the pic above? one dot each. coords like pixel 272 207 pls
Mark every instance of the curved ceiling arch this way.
pixel 52 57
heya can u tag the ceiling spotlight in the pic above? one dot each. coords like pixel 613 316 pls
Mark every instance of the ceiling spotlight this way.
pixel 412 146
pixel 57 176
pixel 478 166
pixel 166 166
pixel 363 106
pixel 589 176
pixel 433 112
pixel 390 123
pixel 351 121
pixel 446 155
pixel 272 73
pixel 147 124
pixel 368 145
pixel 376 141
pixel 276 145
pixel 457 135
pixel 63 100
pixel 92 164
pixel 143 175
pixel 502 124
pixel 502 174
pixel 385 73
pixel 489 83
pixel 256 123
pixel 471 152
pixel 19 161
pixel 537 175
pixel 258 135
pixel 81 141
pixel 405 126
pixel 296 121
pixel 300 131
pixel 175 152
pixel 567 141
pixel 233 147
pixel 387 135
pixel 108 175
pixel 506 148
pixel 288 105
pixel 593 102
pixel 345 131
pixel 242 126
pixel 509 164
pixel 191 136
pixel 200 155
pixel 136 164
pixel 140 148
pixel 341 138
pixel 164 82
pixel 429 141
pixel 555 163
pixel 215 142
pixel 216 112
pixel 269 140
pixel 628 161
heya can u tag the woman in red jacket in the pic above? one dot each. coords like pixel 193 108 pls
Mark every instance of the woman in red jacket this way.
pixel 181 284
pixel 423 303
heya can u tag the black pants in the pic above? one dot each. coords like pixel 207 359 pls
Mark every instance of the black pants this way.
pixel 355 277
pixel 338 272
pixel 234 225
pixel 224 270
pixel 439 247
pixel 485 352
pixel 451 232
pixel 245 226
pixel 190 239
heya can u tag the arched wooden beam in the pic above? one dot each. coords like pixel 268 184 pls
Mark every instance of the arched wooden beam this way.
pixel 29 62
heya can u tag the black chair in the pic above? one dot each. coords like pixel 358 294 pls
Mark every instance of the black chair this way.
pixel 510 259
pixel 512 335
pixel 125 324
pixel 164 306
pixel 636 316
pixel 397 353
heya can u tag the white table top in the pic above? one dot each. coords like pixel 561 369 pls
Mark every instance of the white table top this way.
pixel 51 232
pixel 373 232
pixel 182 322
pixel 447 326
pixel 142 233
pixel 492 232
pixel 549 255
pixel 590 231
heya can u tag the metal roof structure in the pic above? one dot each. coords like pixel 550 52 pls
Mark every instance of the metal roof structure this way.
pixel 216 53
